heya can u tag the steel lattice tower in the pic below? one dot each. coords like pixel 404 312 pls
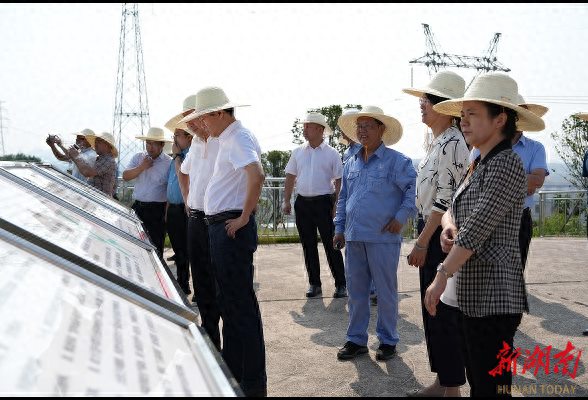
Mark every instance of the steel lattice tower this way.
pixel 435 60
pixel 131 110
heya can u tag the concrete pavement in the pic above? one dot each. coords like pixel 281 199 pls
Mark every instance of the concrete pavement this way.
pixel 303 335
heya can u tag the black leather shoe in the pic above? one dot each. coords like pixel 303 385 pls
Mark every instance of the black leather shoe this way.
pixel 340 291
pixel 351 350
pixel 314 290
pixel 385 352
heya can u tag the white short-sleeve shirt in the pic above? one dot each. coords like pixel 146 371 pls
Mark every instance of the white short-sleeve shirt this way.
pixel 151 184
pixel 199 165
pixel 315 169
pixel 227 188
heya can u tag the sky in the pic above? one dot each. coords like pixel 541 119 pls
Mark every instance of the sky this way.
pixel 58 62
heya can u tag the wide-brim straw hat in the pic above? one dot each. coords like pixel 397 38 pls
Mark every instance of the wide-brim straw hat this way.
pixel 349 111
pixel 317 118
pixel 534 108
pixel 496 88
pixel 174 122
pixel 107 137
pixel 156 135
pixel 392 133
pixel 583 116
pixel 210 99
pixel 446 84
pixel 85 132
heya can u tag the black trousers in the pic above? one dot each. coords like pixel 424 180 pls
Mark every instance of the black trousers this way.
pixel 525 235
pixel 203 279
pixel 177 229
pixel 443 332
pixel 484 338
pixel 152 214
pixel 314 213
pixel 243 342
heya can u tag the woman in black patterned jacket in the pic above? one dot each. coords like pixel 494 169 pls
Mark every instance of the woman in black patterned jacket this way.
pixel 439 173
pixel 480 230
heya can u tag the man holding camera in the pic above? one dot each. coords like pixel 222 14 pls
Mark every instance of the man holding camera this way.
pixel 101 174
pixel 82 145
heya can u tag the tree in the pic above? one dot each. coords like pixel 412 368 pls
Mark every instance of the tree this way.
pixel 274 162
pixel 571 145
pixel 20 157
pixel 332 113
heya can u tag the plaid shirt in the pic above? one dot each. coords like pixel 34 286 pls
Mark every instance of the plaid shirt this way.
pixel 487 209
pixel 106 178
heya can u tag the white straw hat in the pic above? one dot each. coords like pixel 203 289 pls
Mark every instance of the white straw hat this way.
pixel 348 111
pixel 85 132
pixel 537 109
pixel 446 84
pixel 583 116
pixel 496 88
pixel 392 133
pixel 156 135
pixel 106 136
pixel 210 99
pixel 174 122
pixel 317 118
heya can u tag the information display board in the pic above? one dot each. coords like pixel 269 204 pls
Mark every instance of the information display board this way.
pixel 55 223
pixel 84 187
pixel 89 204
pixel 66 332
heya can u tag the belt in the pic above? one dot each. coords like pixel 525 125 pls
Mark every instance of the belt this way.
pixel 176 205
pixel 315 198
pixel 222 216
pixel 194 213
pixel 149 203
pixel 527 210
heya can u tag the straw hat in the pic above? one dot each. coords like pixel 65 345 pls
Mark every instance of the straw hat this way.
pixel 446 84
pixel 349 111
pixel 85 132
pixel 174 122
pixel 106 136
pixel 210 99
pixel 317 118
pixel 537 109
pixel 392 133
pixel 156 135
pixel 583 116
pixel 496 88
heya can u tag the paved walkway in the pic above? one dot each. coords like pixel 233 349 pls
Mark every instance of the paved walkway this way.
pixel 303 335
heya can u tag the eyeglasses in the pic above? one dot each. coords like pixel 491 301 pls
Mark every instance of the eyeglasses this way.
pixel 367 126
pixel 423 101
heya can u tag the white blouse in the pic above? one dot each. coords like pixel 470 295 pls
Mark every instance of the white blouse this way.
pixel 440 171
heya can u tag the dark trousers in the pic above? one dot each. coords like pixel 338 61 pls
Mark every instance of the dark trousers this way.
pixel 525 235
pixel 243 342
pixel 177 229
pixel 484 338
pixel 152 214
pixel 203 278
pixel 443 332
pixel 314 213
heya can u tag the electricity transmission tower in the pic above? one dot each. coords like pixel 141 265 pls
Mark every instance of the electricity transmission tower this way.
pixel 435 60
pixel 131 111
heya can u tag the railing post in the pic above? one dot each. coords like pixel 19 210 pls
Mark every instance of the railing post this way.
pixel 541 213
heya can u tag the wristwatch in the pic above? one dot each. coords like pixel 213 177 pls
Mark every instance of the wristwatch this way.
pixel 441 268
pixel 176 155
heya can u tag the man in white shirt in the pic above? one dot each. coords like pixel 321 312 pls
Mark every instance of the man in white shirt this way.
pixel 150 171
pixel 193 175
pixel 316 168
pixel 86 152
pixel 229 204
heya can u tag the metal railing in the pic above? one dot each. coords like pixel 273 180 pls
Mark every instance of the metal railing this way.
pixel 272 223
pixel 562 213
